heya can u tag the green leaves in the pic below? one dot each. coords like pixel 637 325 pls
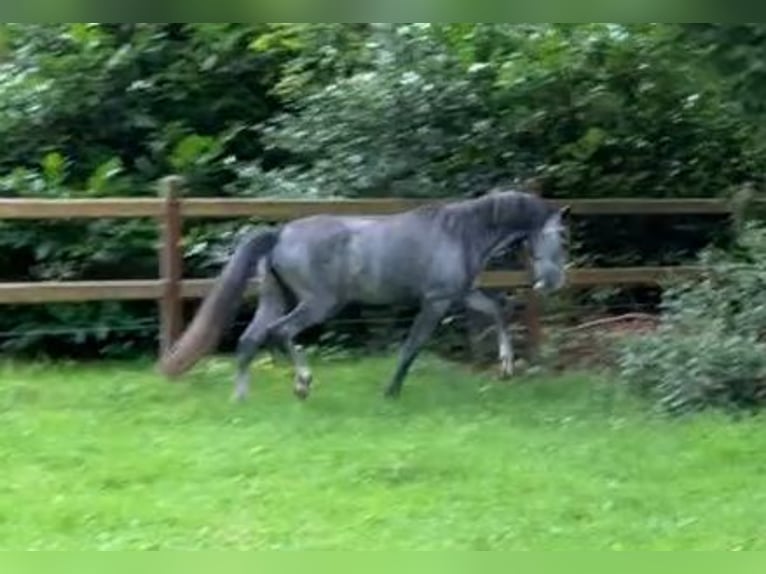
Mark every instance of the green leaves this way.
pixel 710 350
pixel 98 182
pixel 598 109
pixel 590 142
pixel 193 150
pixel 369 109
pixel 54 169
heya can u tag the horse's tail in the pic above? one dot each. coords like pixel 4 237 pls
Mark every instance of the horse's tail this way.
pixel 220 306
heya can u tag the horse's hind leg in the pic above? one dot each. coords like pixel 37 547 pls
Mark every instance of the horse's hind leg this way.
pixel 306 314
pixel 487 306
pixel 271 306
pixel 425 323
pixel 303 376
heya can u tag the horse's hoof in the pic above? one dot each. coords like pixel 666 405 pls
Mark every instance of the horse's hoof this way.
pixel 301 391
pixel 302 387
pixel 506 368
pixel 506 373
pixel 392 393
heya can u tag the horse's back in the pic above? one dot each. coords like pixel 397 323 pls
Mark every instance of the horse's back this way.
pixel 316 254
pixel 360 259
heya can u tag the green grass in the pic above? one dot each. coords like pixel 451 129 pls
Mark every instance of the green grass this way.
pixel 112 457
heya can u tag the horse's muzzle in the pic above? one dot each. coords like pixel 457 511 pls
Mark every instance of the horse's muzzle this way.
pixel 549 283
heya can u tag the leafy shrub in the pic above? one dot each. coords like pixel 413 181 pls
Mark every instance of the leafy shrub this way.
pixel 709 350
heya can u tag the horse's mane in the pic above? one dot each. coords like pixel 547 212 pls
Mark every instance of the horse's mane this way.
pixel 513 210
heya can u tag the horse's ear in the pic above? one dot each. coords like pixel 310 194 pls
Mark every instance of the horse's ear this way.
pixel 565 211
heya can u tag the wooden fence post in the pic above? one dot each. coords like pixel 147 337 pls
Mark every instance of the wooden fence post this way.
pixel 171 263
pixel 532 305
pixel 533 324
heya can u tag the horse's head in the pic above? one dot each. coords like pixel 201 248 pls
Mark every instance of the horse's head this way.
pixel 548 252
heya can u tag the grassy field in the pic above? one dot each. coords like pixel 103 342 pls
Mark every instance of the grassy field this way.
pixel 112 457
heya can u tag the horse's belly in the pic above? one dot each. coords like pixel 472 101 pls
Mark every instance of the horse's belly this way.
pixel 376 276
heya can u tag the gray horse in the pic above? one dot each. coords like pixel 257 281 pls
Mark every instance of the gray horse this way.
pixel 430 256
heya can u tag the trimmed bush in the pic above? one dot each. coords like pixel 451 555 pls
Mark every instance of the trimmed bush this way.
pixel 709 350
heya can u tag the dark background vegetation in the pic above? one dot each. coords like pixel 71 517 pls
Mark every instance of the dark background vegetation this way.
pixel 359 110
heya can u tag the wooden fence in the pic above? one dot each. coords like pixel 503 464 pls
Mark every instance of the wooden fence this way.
pixel 170 210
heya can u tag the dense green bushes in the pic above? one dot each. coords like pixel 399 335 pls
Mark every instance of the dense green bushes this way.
pixel 709 350
pixel 356 110
pixel 587 111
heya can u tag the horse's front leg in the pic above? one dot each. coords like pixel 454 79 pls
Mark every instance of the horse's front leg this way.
pixel 487 306
pixel 431 312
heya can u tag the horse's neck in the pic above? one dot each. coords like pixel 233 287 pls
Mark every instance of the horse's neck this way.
pixel 485 239
pixel 495 241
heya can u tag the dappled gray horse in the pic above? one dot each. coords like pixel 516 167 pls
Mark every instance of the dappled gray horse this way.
pixel 430 256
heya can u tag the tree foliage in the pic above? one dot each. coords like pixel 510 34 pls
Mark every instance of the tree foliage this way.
pixel 589 110
pixel 594 110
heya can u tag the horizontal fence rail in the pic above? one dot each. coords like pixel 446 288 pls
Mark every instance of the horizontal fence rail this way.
pixel 171 209
pixel 285 209
pixel 144 289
